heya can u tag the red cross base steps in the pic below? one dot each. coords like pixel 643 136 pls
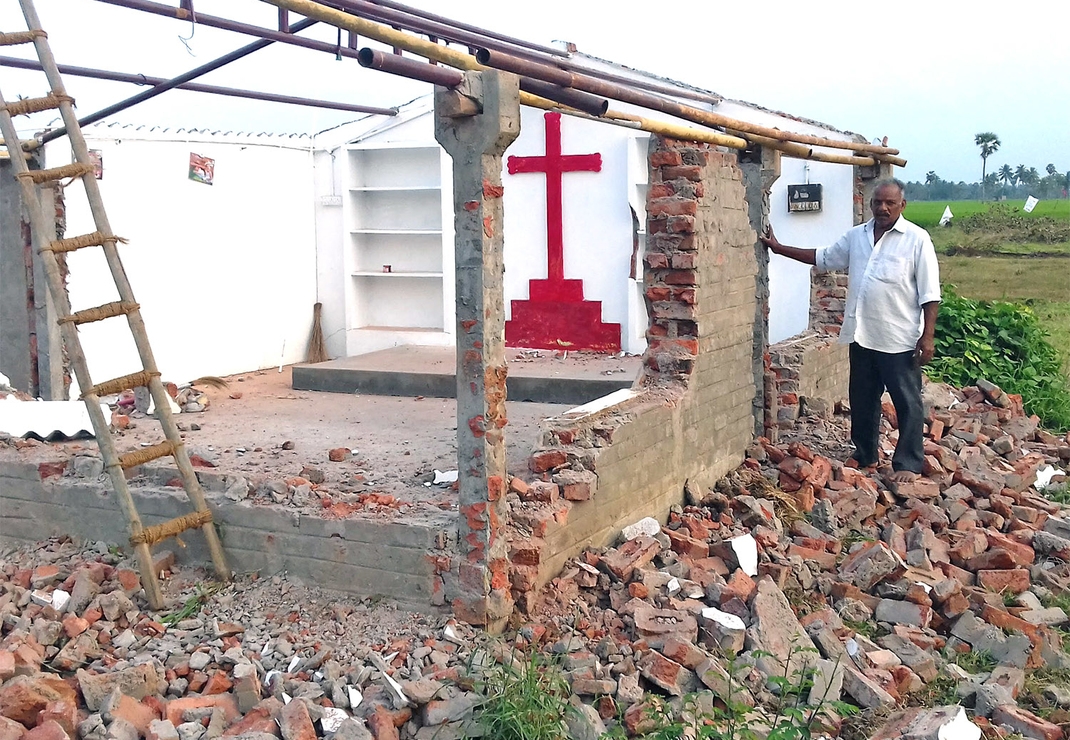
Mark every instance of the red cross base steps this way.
pixel 556 316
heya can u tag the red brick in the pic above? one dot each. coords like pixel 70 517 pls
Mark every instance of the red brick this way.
pixel 826 560
pixel 381 724
pixel 680 277
pixel 48 731
pixel 671 207
pixel 1004 581
pixel 541 462
pixel 685 545
pixel 665 158
pixel 24 697
pixel 64 712
pixel 1023 554
pixel 226 702
pixel 685 172
pixel 218 683
pixel 796 467
pixel 1026 723
pixel 657 261
pixel 295 722
pixel 10 729
pixel 740 586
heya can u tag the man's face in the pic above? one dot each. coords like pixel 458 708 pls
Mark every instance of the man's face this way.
pixel 887 205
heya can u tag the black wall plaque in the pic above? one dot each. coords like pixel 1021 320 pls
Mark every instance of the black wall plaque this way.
pixel 804 198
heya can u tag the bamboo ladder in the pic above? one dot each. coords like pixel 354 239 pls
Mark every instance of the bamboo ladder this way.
pixel 43 231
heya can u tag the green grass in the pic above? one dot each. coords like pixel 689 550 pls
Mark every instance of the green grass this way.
pixel 1042 284
pixel 927 214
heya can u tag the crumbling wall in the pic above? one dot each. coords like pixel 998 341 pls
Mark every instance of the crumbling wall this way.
pixel 64 497
pixel 689 416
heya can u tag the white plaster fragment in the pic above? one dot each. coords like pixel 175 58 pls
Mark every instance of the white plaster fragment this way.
pixel 446 478
pixel 332 719
pixel 644 527
pixel 293 664
pixel 355 697
pixel 730 621
pixel 60 599
pixel 959 728
pixel 1044 476
pixel 673 586
pixel 746 549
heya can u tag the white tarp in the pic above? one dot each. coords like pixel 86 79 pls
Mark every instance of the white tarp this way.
pixel 1030 204
pixel 946 218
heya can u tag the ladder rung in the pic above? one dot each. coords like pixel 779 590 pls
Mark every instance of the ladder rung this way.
pixel 21 37
pixel 107 311
pixel 118 385
pixel 160 532
pixel 96 239
pixel 56 173
pixel 36 105
pixel 146 454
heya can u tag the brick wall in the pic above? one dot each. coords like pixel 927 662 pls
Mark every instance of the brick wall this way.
pixel 689 417
pixel 811 374
pixel 357 556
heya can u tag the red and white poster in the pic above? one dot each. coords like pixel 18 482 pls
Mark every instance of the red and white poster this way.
pixel 201 169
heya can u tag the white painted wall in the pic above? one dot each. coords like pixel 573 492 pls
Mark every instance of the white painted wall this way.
pixel 225 274
pixel 597 222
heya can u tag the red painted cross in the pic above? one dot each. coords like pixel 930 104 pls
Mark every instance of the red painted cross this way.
pixel 555 164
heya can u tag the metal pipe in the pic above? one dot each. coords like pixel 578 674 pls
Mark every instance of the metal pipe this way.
pixel 406 67
pixel 229 25
pixel 478 37
pixel 473 29
pixel 558 76
pixel 449 77
pixel 589 104
pixel 137 79
pixel 172 83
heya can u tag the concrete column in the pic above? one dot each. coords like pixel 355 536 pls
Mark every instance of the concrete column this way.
pixel 761 168
pixel 31 353
pixel 475 123
pixel 870 177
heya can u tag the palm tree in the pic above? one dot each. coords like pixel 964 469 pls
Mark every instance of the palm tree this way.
pixel 1034 176
pixel 1021 174
pixel 931 177
pixel 1051 169
pixel 1006 174
pixel 988 143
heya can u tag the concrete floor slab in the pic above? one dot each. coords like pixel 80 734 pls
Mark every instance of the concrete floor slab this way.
pixel 538 376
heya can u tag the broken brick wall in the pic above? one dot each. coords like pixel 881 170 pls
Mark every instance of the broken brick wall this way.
pixel 811 369
pixel 689 416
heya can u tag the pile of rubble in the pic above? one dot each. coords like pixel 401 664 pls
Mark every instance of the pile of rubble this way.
pixel 905 600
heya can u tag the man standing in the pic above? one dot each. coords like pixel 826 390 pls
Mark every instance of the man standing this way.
pixel 893 296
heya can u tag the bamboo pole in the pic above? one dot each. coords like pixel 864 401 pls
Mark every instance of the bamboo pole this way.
pixel 773 138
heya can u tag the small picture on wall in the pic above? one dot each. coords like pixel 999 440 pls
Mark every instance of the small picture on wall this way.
pixel 201 169
pixel 97 159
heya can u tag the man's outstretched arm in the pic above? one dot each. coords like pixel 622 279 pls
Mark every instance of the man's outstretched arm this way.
pixel 806 256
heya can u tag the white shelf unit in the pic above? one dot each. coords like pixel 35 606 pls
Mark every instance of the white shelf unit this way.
pixel 399 246
pixel 634 338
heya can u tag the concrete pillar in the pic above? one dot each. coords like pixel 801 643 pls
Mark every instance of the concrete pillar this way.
pixel 31 353
pixel 761 168
pixel 870 177
pixel 475 123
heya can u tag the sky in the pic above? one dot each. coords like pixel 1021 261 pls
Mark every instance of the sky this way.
pixel 928 75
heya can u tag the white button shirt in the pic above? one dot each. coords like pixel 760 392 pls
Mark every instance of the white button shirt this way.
pixel 888 283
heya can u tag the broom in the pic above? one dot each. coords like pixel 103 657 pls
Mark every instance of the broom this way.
pixel 317 349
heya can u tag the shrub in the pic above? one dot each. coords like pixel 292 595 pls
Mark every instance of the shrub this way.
pixel 1004 344
pixel 523 701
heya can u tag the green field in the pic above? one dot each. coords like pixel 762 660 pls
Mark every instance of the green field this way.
pixel 927 214
pixel 1040 283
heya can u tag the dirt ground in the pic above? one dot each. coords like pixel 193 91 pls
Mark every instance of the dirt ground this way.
pixel 396 442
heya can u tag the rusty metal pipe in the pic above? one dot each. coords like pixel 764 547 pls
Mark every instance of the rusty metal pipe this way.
pixel 516 65
pixel 437 25
pixel 228 25
pixel 429 23
pixel 411 68
pixel 581 101
pixel 233 92
pixel 449 77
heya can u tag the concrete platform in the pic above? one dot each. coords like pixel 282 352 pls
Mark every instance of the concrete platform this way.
pixel 538 377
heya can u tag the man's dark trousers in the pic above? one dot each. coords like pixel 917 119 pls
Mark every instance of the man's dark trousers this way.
pixel 871 373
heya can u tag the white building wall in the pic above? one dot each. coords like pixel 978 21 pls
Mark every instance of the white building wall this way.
pixel 225 273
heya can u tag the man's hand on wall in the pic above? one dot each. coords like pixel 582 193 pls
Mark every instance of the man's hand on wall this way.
pixel 770 241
